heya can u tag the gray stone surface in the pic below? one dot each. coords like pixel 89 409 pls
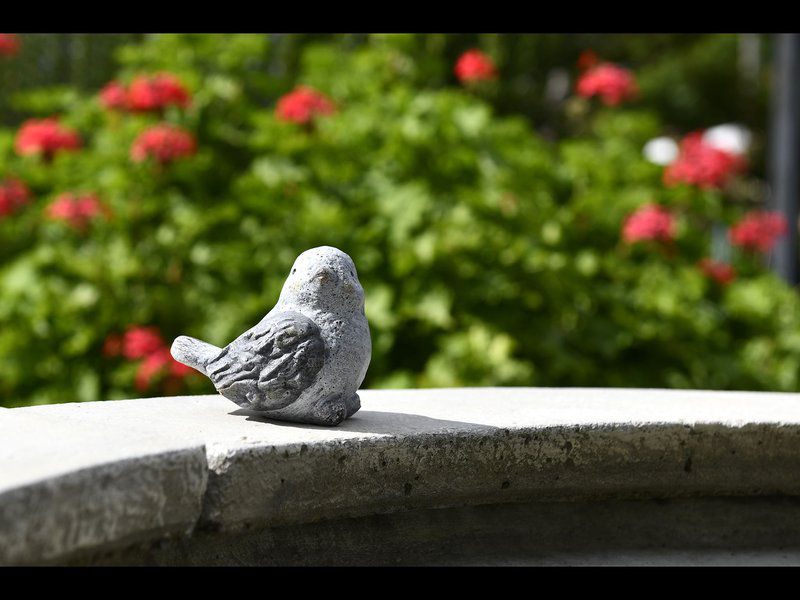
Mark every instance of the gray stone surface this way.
pixel 68 488
pixel 405 450
pixel 677 531
pixel 306 359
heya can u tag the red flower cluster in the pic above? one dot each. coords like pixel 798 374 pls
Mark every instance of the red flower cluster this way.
pixel 157 363
pixel 114 96
pixel 76 211
pixel 720 272
pixel 140 342
pixel 614 84
pixel 147 344
pixel 650 222
pixel 758 230
pixel 473 66
pixel 45 137
pixel 587 60
pixel 9 44
pixel 157 92
pixel 164 143
pixel 13 194
pixel 701 164
pixel 146 93
pixel 302 105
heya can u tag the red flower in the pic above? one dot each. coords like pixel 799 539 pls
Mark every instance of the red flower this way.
pixel 140 342
pixel 587 60
pixel 701 164
pixel 146 343
pixel 157 364
pixel 154 93
pixel 474 66
pixel 758 230
pixel 179 369
pixel 13 195
pixel 77 211
pixel 164 143
pixel 302 105
pixel 46 137
pixel 113 345
pixel 146 93
pixel 720 272
pixel 611 82
pixel 9 44
pixel 114 96
pixel 650 222
pixel 152 366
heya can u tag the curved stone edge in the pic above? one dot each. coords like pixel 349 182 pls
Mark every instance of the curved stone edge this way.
pixel 278 485
pixel 83 478
pixel 761 530
pixel 103 506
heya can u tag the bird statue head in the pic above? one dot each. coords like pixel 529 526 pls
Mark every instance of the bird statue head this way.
pixel 324 279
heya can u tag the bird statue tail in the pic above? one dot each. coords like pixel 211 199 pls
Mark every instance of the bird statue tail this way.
pixel 193 352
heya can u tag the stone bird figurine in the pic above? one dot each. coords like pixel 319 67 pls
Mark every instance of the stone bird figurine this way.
pixel 306 359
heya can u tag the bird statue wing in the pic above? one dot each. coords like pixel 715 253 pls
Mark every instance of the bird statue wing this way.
pixel 269 366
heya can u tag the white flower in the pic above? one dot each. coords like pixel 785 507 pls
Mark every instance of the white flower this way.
pixel 729 138
pixel 557 86
pixel 661 150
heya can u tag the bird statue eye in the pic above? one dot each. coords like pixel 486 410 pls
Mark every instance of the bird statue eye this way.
pixel 294 270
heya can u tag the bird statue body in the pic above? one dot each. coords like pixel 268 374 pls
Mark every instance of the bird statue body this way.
pixel 305 360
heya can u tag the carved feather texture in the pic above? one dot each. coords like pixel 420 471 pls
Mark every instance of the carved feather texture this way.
pixel 271 364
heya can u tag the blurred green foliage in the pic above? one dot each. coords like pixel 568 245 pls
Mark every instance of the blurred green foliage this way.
pixel 490 253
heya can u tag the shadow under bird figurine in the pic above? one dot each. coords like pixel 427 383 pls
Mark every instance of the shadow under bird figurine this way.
pixel 307 358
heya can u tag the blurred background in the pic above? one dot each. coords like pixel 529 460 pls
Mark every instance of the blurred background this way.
pixel 538 210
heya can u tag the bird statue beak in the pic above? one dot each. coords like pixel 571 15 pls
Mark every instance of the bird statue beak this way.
pixel 325 275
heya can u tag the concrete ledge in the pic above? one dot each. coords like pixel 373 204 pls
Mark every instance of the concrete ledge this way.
pixel 67 489
pixel 759 530
pixel 81 479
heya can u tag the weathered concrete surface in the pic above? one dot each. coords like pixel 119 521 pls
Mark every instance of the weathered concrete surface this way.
pixel 680 531
pixel 67 489
pixel 425 449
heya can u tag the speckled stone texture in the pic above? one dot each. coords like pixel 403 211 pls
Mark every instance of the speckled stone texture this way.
pixel 97 476
pixel 306 359
pixel 67 488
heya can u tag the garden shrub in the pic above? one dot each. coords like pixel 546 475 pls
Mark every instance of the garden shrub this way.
pixel 489 254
